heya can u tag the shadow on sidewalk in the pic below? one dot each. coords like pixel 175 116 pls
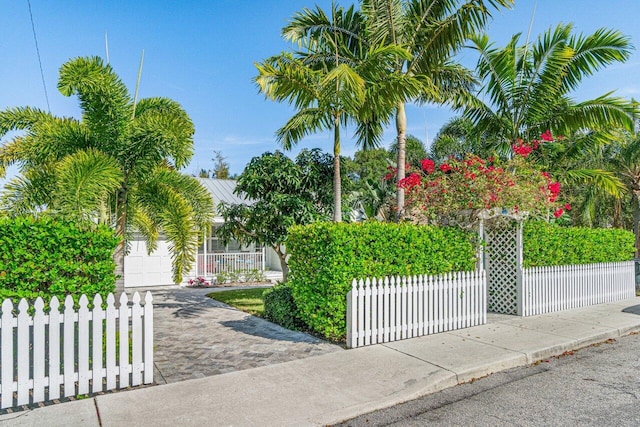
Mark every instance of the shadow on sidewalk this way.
pixel 634 309
pixel 259 327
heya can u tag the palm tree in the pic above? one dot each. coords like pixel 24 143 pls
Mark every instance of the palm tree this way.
pixel 456 138
pixel 333 81
pixel 117 165
pixel 625 160
pixel 527 90
pixel 432 31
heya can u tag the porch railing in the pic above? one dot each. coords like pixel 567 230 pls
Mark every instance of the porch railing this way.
pixel 212 264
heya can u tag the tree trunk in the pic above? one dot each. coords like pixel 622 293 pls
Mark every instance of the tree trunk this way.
pixel 401 127
pixel 118 254
pixel 636 221
pixel 636 229
pixel 337 182
pixel 118 258
pixel 282 256
pixel 617 213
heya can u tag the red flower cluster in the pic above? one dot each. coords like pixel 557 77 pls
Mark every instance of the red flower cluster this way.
pixel 410 181
pixel 546 136
pixel 444 168
pixel 459 185
pixel 428 166
pixel 554 189
pixel 522 148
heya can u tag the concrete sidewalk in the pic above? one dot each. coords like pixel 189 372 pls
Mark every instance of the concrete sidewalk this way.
pixel 333 387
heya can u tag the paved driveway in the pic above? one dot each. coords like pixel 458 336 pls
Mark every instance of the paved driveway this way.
pixel 196 337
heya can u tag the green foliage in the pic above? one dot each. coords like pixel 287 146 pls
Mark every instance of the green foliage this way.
pixel 369 165
pixel 414 151
pixel 283 193
pixel 280 307
pixel 326 257
pixel 528 89
pixel 119 164
pixel 548 244
pixel 46 257
pixel 457 138
pixel 221 168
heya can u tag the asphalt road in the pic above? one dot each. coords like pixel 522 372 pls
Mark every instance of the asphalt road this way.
pixel 595 386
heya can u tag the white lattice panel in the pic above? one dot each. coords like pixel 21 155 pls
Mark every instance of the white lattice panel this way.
pixel 502 266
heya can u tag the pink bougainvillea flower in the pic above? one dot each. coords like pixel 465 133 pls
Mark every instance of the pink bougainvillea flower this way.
pixel 445 168
pixel 428 166
pixel 554 188
pixel 558 213
pixel 410 181
pixel 546 136
pixel 567 207
pixel 521 148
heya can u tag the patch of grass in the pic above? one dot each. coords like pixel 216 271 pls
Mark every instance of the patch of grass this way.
pixel 248 300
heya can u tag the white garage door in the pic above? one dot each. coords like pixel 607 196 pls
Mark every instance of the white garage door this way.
pixel 142 269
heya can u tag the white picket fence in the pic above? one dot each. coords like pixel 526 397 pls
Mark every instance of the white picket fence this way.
pixel 396 308
pixel 549 289
pixel 84 351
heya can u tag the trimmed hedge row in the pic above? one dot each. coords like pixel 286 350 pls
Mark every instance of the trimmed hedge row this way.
pixel 280 308
pixel 326 257
pixel 548 244
pixel 46 257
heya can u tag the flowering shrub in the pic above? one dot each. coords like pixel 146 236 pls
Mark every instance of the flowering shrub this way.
pixel 199 282
pixel 457 190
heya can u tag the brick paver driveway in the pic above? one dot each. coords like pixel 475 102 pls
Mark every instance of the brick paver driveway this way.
pixel 196 337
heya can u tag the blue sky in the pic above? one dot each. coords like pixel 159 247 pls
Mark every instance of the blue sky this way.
pixel 202 54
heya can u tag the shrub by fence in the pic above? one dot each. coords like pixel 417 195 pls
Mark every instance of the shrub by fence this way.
pixel 45 257
pixel 81 351
pixel 548 244
pixel 326 257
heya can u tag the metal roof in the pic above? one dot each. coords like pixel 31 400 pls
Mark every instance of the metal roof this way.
pixel 222 191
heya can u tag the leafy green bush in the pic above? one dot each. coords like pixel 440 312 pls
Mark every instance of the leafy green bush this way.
pixel 46 257
pixel 548 244
pixel 280 308
pixel 326 257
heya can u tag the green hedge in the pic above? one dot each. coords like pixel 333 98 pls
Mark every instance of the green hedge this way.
pixel 548 244
pixel 326 257
pixel 46 257
pixel 280 308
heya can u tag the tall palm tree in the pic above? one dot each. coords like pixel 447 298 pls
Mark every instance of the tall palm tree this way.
pixel 527 90
pixel 625 160
pixel 335 79
pixel 118 164
pixel 432 31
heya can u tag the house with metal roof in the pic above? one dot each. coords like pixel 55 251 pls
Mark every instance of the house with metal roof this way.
pixel 214 258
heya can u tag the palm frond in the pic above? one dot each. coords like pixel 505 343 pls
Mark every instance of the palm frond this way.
pixel 604 180
pixel 85 180
pixel 304 122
